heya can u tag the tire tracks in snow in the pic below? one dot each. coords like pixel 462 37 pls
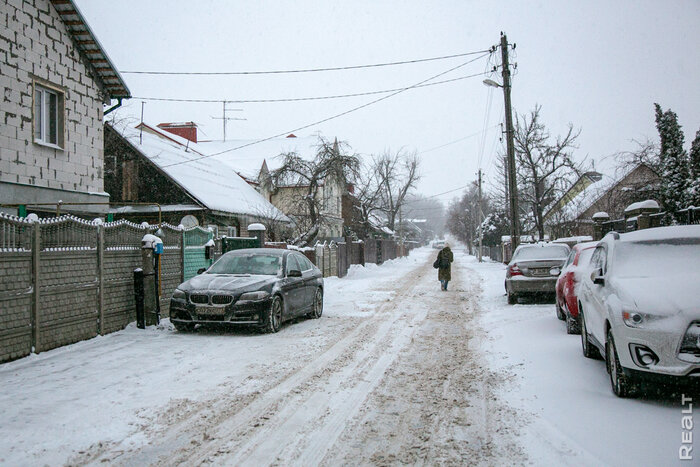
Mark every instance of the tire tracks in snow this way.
pixel 298 421
pixel 200 432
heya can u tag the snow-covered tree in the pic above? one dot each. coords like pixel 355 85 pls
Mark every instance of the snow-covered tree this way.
pixel 332 163
pixel 694 188
pixel 675 174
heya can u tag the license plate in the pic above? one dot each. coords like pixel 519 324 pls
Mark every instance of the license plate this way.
pixel 540 272
pixel 210 311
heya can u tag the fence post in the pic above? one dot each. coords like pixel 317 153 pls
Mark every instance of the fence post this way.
pixel 101 278
pixel 182 256
pixel 36 245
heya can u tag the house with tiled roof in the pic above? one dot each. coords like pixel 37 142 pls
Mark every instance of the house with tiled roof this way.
pixel 571 214
pixel 58 84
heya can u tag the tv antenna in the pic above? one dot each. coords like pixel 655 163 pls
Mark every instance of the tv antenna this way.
pixel 224 119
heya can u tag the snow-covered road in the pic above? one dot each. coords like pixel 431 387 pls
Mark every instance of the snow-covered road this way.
pixel 396 371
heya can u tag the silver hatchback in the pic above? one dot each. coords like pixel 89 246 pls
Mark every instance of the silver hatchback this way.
pixel 534 268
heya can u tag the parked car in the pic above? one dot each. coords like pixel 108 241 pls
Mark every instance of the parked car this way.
pixel 262 287
pixel 534 268
pixel 568 285
pixel 640 307
pixel 438 244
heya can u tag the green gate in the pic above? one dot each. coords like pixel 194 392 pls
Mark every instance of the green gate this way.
pixel 238 243
pixel 195 240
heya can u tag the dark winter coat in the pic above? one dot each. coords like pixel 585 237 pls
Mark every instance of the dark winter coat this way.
pixel 445 273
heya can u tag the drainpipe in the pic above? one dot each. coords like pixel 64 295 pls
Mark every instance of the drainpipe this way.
pixel 115 107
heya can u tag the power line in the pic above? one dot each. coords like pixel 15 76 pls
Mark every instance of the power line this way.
pixel 298 99
pixel 306 70
pixel 284 133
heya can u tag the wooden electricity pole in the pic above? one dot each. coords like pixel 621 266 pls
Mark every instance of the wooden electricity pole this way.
pixel 481 219
pixel 512 181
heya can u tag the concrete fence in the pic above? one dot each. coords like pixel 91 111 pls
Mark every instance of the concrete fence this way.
pixel 63 280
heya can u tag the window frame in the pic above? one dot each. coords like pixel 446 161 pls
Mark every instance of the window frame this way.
pixel 287 265
pixel 40 124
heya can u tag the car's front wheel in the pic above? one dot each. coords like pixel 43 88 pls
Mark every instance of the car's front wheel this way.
pixel 274 315
pixel 572 325
pixel 560 312
pixel 589 351
pixel 317 305
pixel 622 385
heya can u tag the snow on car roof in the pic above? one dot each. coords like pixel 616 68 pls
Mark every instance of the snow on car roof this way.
pixel 662 233
pixel 213 183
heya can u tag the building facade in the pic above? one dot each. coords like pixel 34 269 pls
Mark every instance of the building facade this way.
pixel 56 78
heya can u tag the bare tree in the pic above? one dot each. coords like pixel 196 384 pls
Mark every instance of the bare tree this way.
pixel 544 168
pixel 332 163
pixel 368 191
pixel 398 175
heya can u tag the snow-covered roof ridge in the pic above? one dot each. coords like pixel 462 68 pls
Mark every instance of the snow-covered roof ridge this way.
pixel 211 182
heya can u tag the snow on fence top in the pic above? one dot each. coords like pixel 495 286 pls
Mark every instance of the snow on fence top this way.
pixel 647 204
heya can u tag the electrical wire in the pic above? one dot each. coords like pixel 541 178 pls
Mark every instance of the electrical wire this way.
pixel 354 109
pixel 298 99
pixel 307 70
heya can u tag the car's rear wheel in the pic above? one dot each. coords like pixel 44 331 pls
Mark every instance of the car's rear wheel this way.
pixel 512 299
pixel 560 312
pixel 184 327
pixel 572 325
pixel 274 315
pixel 622 385
pixel 317 305
pixel 589 350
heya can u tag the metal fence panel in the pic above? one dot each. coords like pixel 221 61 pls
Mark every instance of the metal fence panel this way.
pixel 195 257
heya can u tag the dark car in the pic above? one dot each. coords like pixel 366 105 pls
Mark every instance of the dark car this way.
pixel 262 287
pixel 534 269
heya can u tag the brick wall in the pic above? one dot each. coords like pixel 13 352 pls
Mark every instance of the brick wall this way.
pixel 35 43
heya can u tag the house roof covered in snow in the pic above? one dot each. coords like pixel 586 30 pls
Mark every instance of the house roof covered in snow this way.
pixel 211 182
pixel 87 43
pixel 588 190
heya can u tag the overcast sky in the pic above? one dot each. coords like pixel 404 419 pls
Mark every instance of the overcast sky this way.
pixel 599 65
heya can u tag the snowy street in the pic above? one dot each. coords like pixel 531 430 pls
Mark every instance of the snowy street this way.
pixel 395 371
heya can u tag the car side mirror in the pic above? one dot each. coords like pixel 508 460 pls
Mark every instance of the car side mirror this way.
pixel 598 277
pixel 294 273
pixel 201 270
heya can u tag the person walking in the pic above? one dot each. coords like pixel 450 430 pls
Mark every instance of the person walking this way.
pixel 444 265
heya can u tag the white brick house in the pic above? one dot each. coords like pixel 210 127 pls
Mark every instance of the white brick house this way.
pixel 55 79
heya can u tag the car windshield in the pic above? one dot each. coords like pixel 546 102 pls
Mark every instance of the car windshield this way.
pixel 585 257
pixel 542 252
pixel 259 264
pixel 656 258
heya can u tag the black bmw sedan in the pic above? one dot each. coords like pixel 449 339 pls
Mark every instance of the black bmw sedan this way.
pixel 257 286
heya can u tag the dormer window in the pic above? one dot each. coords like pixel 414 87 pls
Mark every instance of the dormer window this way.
pixel 48 116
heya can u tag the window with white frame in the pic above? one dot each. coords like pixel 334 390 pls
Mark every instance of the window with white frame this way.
pixel 48 115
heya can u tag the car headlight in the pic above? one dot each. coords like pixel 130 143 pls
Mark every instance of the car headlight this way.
pixel 254 296
pixel 179 294
pixel 635 319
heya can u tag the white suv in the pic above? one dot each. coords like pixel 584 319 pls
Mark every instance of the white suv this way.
pixel 639 306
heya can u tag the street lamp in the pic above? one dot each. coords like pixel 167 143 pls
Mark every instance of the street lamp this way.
pixel 492 83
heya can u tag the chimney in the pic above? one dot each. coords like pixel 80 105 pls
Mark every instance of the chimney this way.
pixel 187 130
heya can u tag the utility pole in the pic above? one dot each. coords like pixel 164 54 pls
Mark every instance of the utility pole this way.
pixel 512 181
pixel 481 219
pixel 225 119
